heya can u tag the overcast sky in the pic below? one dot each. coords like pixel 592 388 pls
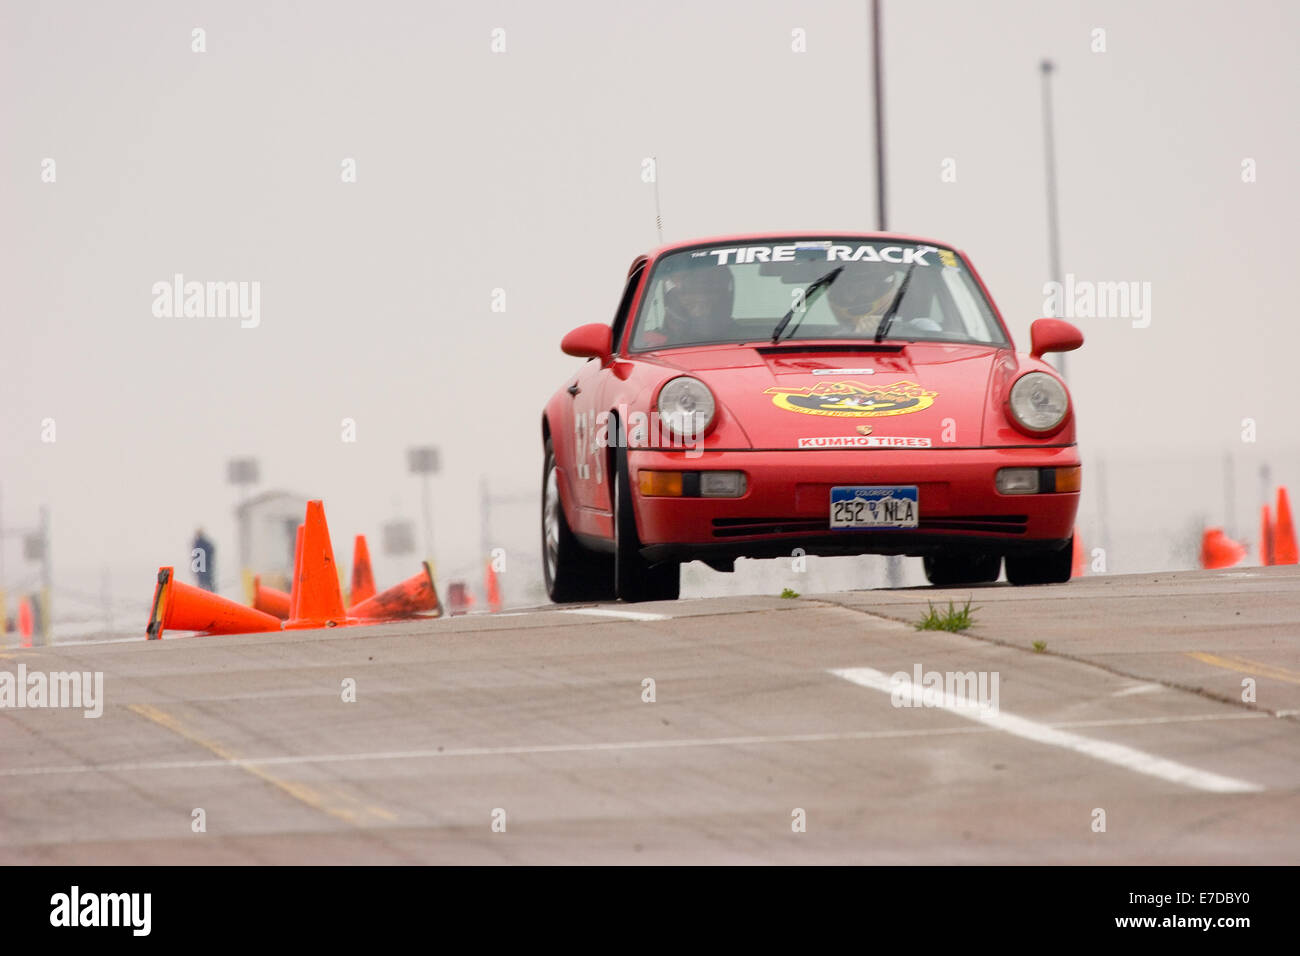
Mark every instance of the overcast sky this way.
pixel 521 170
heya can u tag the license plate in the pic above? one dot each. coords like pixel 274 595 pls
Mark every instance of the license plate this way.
pixel 875 506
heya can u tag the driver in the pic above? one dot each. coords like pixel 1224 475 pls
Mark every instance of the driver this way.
pixel 860 295
pixel 697 305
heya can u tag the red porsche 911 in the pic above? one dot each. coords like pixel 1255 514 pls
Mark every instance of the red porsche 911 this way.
pixel 835 393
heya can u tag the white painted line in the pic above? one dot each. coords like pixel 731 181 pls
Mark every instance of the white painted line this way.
pixel 1118 754
pixel 138 639
pixel 611 612
pixel 1173 719
pixel 1138 689
pixel 489 751
pixel 615 746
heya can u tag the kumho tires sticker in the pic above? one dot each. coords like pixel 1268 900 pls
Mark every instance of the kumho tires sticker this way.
pixel 865 441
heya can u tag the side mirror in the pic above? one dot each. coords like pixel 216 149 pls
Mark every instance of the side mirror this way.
pixel 1053 335
pixel 589 341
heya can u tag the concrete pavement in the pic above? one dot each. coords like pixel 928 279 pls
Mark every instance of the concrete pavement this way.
pixel 537 722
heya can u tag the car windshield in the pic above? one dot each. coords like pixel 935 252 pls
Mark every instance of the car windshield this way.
pixel 718 294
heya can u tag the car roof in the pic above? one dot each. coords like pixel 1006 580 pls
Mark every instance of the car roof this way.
pixel 798 234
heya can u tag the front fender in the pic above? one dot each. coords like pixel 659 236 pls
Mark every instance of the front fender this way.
pixel 998 429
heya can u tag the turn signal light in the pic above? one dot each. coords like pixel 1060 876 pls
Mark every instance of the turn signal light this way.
pixel 1069 479
pixel 661 484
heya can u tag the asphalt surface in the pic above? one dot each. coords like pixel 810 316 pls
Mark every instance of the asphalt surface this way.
pixel 766 712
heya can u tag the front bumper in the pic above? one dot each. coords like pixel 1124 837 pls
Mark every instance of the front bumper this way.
pixel 787 503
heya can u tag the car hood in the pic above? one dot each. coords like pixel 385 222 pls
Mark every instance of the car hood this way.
pixel 788 397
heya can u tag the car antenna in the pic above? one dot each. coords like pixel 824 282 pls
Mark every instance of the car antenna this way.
pixel 659 217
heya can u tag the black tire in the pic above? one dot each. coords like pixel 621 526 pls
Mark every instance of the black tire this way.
pixel 948 570
pixel 572 572
pixel 1041 567
pixel 635 579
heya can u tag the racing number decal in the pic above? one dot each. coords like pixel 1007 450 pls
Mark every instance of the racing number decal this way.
pixel 853 399
pixel 587 446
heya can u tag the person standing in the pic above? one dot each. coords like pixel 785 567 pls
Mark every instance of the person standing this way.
pixel 201 561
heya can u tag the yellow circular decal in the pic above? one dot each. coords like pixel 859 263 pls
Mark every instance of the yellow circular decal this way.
pixel 853 399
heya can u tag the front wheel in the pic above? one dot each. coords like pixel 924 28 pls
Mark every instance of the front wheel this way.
pixel 635 578
pixel 1041 567
pixel 572 572
pixel 949 570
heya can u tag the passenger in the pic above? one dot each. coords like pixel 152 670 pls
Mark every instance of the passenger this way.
pixel 860 295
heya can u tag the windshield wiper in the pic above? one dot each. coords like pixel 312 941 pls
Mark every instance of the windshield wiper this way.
pixel 814 287
pixel 892 311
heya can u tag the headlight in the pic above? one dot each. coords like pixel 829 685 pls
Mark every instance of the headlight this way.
pixel 686 406
pixel 1038 402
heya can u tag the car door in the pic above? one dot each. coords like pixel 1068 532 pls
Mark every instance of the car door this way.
pixel 587 467
pixel 589 391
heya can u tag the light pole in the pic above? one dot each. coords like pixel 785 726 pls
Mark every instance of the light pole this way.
pixel 894 562
pixel 878 87
pixel 243 473
pixel 36 547
pixel 1049 151
pixel 424 462
pixel 47 581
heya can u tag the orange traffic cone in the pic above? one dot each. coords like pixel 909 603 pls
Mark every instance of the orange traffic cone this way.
pixel 363 579
pixel 1219 551
pixel 317 601
pixel 1265 537
pixel 492 588
pixel 294 590
pixel 25 622
pixel 270 600
pixel 1284 543
pixel 185 608
pixel 412 598
pixel 1078 563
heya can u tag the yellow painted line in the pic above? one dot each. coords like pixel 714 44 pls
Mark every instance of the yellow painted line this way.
pixel 329 800
pixel 1243 666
